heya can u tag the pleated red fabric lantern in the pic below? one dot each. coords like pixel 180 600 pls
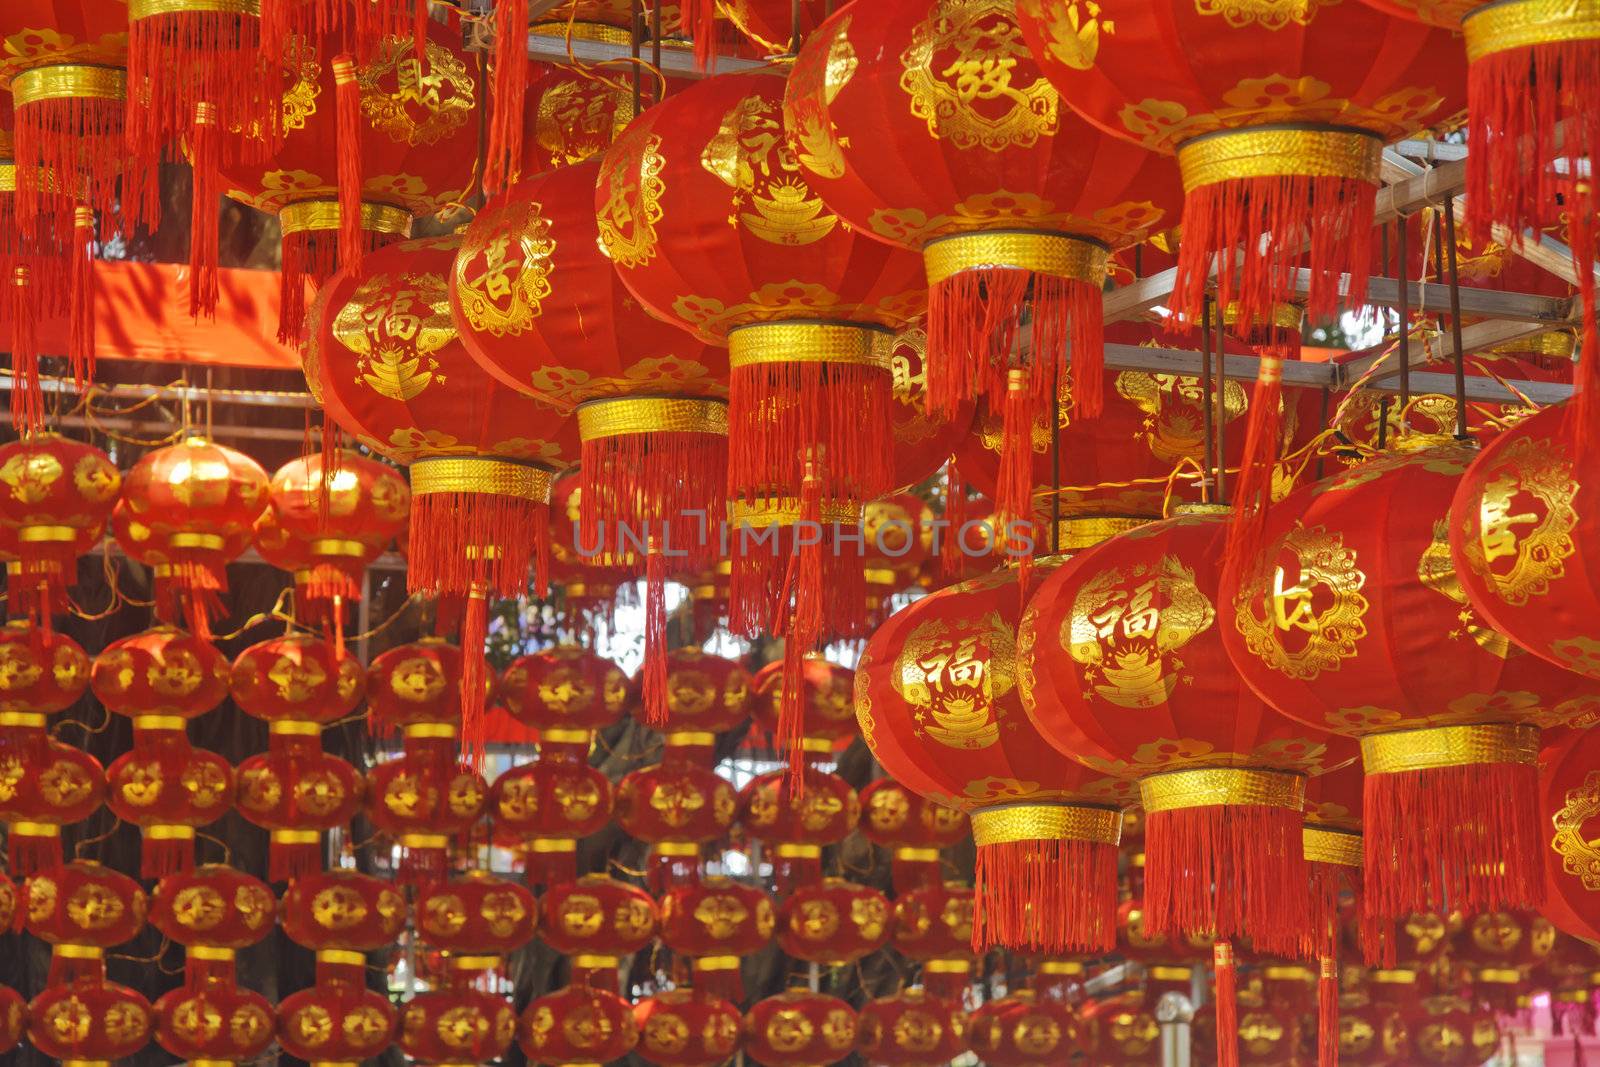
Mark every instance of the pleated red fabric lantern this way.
pixel 576 1026
pixel 933 927
pixel 911 1029
pixel 295 790
pixel 937 701
pixel 40 674
pixel 1569 801
pixel 800 1029
pixel 57 496
pixel 1356 585
pixel 826 700
pixel 563 688
pixel 1278 118
pixel 707 695
pixel 65 66
pixel 915 829
pixel 81 909
pixel 392 370
pixel 1122 664
pixel 569 117
pixel 1450 1031
pixel 722 235
pixel 88 1021
pixel 540 308
pixel 798 816
pixel 220 1023
pixel 425 798
pixel 687 1028
pixel 1013 200
pixel 186 511
pixel 369 142
pixel 597 920
pixel 717 922
pixel 340 915
pixel 1520 526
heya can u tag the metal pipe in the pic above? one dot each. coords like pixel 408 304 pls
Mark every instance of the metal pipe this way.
pixel 1208 430
pixel 1455 319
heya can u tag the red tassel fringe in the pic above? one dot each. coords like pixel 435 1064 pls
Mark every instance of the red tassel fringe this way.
pixel 444 526
pixel 1228 218
pixel 287 860
pixel 1328 1011
pixel 1055 897
pixel 312 255
pixel 347 104
pixel 1231 870
pixel 957 512
pixel 1252 492
pixel 78 135
pixel 502 165
pixel 1013 501
pixel 699 22
pixel 474 678
pixel 203 236
pixel 80 294
pixel 27 398
pixel 1453 838
pixel 159 858
pixel 30 853
pixel 655 640
pixel 1227 1004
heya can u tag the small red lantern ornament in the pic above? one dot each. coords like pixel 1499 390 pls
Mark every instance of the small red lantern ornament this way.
pixel 808 317
pixel 341 915
pixel 687 1028
pixel 88 1022
pixel 424 798
pixel 410 150
pixel 543 808
pixel 937 701
pixel 476 920
pixel 800 1029
pixel 13 1018
pixel 717 922
pixel 828 714
pixel 49 785
pixel 1023 1029
pixel 56 498
pixel 1449 741
pixel 911 1029
pixel 915 829
pixel 597 920
pixel 1278 119
pixel 569 117
pixel 678 806
pixel 1448 1031
pixel 707 695
pixel 392 370
pixel 1012 200
pixel 563 688
pixel 162 672
pixel 296 679
pixel 367 504
pixel 578 1026
pixel 186 511
pixel 933 927
pixel 834 922
pixel 798 815
pixel 81 909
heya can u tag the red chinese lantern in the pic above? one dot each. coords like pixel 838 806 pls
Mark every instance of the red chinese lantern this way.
pixel 296 679
pixel 367 504
pixel 717 922
pixel 898 537
pixel 415 683
pixel 476 920
pixel 424 798
pixel 543 808
pixel 296 792
pixel 81 909
pixel 1519 525
pixel 541 309
pixel 217 1023
pixel 1499 949
pixel 65 69
pixel 1569 802
pixel 707 695
pixel 13 1018
pixel 410 149
pixel 937 702
pixel 800 1029
pixel 911 1029
pixel 41 673
pixel 597 920
pixel 88 1021
pixel 1012 200
pixel 798 816
pixel 687 1028
pixel 834 922
pixel 577 1026
pixel 160 672
pixel 1122 1032
pixel 56 499
pixel 915 829
pixel 678 806
pixel 1448 1031
pixel 933 927
pixel 563 688
pixel 186 511
pixel 393 371
pixel 808 316
pixel 341 915
pixel 570 116
pixel 1371 1034
pixel 1278 120
pixel 49 785
pixel 1023 1029
pixel 1351 588
pixel 167 788
pixel 922 439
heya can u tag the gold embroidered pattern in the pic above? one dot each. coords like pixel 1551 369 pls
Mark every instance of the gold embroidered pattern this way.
pixel 1580 854
pixel 503 270
pixel 1127 626
pixel 395 327
pixel 1301 610
pixel 818 77
pixel 953 674
pixel 1520 535
pixel 415 102
pixel 1270 14
pixel 1072 29
pixel 771 199
pixel 631 176
pixel 960 72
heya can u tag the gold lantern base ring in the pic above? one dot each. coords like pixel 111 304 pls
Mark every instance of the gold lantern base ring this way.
pixel 1010 823
pixel 851 343
pixel 149 9
pixel 481 475
pixel 1342 848
pixel 1222 786
pixel 69 81
pixel 1277 151
pixel 620 416
pixel 306 216
pixel 1512 24
pixel 1056 255
pixel 1449 746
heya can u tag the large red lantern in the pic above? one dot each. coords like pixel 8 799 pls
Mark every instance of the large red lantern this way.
pixel 1011 198
pixel 296 679
pixel 57 496
pixel 717 922
pixel 391 369
pixel 411 121
pixel 186 511
pixel 425 798
pixel 1278 119
pixel 48 785
pixel 687 1028
pixel 578 1026
pixel 933 927
pixel 160 672
pixel 64 67
pixel 800 1029
pixel 911 1029
pixel 167 788
pixel 88 1021
pixel 341 915
pixel 217 1023
pixel 937 701
pixel 213 911
pixel 722 235
pixel 1520 525
pixel 1352 619
pixel 834 922
pixel 915 828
